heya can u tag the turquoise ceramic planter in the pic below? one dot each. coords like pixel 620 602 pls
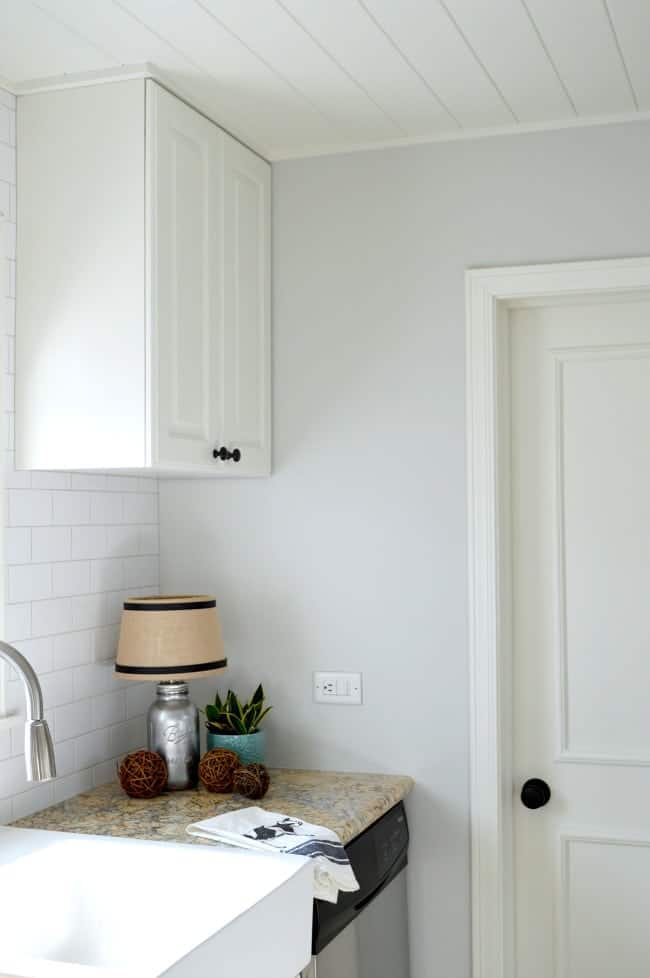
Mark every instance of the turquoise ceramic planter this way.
pixel 250 748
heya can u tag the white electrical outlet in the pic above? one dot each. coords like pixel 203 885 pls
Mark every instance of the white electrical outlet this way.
pixel 340 688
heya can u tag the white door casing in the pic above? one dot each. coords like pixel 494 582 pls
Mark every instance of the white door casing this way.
pixel 490 294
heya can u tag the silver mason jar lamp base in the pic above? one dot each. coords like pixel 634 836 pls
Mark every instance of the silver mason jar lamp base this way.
pixel 173 732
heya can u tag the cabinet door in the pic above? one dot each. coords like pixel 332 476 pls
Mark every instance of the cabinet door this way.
pixel 246 378
pixel 185 166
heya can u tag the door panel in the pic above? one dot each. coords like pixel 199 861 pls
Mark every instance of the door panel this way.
pixel 246 408
pixel 186 190
pixel 604 488
pixel 580 390
pixel 605 880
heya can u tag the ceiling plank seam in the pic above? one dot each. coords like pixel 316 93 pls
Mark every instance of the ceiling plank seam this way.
pixel 74 32
pixel 617 42
pixel 407 61
pixel 267 64
pixel 479 60
pixel 341 67
pixel 550 59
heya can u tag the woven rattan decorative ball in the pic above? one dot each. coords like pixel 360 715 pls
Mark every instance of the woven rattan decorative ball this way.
pixel 217 769
pixel 252 781
pixel 143 774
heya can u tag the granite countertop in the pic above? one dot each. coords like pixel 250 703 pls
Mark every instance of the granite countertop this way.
pixel 346 803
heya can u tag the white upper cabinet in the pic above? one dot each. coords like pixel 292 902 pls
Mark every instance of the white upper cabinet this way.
pixel 143 294
pixel 247 288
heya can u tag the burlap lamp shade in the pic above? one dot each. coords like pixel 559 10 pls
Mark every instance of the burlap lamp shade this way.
pixel 170 638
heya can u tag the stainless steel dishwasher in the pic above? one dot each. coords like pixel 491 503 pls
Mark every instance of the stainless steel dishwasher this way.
pixel 365 934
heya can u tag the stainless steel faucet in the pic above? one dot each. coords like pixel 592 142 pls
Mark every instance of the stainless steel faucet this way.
pixel 39 750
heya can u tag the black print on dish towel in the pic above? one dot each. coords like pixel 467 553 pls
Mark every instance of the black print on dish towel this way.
pixel 286 836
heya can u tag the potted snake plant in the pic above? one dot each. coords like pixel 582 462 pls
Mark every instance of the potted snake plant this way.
pixel 236 725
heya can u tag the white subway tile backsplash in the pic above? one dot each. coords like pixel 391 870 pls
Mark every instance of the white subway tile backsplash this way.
pixel 18 621
pixel 18 545
pixel 9 431
pixel 110 708
pixel 66 758
pixel 5 197
pixel 122 541
pixel 51 543
pixel 102 773
pixel 51 617
pixel 128 736
pixel 106 507
pixel 72 649
pixel 17 733
pixel 140 572
pixel 105 642
pixel 74 784
pixel 114 606
pixel 94 680
pixel 71 508
pixel 29 507
pixel 149 540
pixel 5 743
pixel 83 480
pixel 107 575
pixel 7 318
pixel 141 507
pixel 73 720
pixel 39 652
pixel 88 542
pixel 34 800
pixel 125 483
pixel 12 776
pixel 14 479
pixel 50 480
pixel 5 124
pixel 9 387
pixel 93 748
pixel 67 538
pixel 139 697
pixel 29 582
pixel 7 161
pixel 89 611
pixel 57 688
pixel 8 239
pixel 70 578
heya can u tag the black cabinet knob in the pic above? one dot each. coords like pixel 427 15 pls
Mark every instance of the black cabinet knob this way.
pixel 225 456
pixel 535 793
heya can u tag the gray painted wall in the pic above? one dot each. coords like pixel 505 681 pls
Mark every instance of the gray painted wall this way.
pixel 352 556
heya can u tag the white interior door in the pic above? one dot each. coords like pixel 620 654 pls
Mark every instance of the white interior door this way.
pixel 185 158
pixel 580 411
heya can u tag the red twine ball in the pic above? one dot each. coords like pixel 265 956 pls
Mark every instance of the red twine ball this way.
pixel 143 774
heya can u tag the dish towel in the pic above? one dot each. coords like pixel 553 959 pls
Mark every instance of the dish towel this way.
pixel 255 828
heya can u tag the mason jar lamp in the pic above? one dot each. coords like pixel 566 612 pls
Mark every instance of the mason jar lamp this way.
pixel 169 640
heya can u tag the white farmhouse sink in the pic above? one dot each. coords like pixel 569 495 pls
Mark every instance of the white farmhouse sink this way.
pixel 83 906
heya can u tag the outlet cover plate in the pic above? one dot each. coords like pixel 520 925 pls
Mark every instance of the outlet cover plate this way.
pixel 338 688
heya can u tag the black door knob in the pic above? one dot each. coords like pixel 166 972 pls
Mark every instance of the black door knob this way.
pixel 535 793
pixel 225 456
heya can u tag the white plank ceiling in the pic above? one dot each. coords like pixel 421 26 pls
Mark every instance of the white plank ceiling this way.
pixel 301 77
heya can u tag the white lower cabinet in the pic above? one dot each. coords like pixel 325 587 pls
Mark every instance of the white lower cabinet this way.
pixel 143 292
